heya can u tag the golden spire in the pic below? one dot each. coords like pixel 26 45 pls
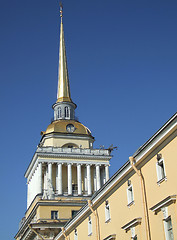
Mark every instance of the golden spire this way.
pixel 63 93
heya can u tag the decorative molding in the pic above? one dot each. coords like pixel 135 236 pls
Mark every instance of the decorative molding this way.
pixel 77 153
pixel 110 237
pixel 131 224
pixel 167 201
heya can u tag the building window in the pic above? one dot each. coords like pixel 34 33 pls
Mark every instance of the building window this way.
pixel 107 212
pixel 160 166
pixel 70 146
pixel 74 213
pixel 89 226
pixel 54 214
pixel 168 229
pixel 59 112
pixel 133 235
pixel 130 197
pixel 75 234
pixel 66 112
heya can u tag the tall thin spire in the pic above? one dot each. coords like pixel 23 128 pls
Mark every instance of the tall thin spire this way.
pixel 63 93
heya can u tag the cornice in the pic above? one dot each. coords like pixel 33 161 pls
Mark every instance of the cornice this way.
pixel 67 136
pixel 169 127
pixel 53 153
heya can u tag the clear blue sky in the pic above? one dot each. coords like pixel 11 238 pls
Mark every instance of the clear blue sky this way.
pixel 122 59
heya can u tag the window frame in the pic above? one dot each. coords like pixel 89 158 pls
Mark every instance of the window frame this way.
pixel 167 229
pixel 59 112
pixel 54 215
pixel 75 234
pixel 130 195
pixel 67 112
pixel 89 226
pixel 73 213
pixel 160 169
pixel 107 212
pixel 133 233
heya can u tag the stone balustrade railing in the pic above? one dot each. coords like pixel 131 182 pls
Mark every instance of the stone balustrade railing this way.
pixel 85 151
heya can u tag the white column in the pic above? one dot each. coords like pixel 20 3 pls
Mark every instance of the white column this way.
pixel 98 182
pixel 45 185
pixel 107 172
pixel 39 178
pixel 50 173
pixel 85 179
pixel 59 182
pixel 89 180
pixel 69 179
pixel 94 179
pixel 79 179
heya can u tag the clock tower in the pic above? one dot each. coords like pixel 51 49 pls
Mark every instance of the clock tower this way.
pixel 65 170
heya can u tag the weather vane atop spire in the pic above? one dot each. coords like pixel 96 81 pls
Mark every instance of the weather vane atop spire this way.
pixel 61 10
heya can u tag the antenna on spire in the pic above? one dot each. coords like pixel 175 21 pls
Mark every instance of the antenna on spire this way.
pixel 61 9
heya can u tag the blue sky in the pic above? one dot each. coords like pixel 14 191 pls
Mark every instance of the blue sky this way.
pixel 122 60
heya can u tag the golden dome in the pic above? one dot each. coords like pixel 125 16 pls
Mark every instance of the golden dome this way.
pixel 67 126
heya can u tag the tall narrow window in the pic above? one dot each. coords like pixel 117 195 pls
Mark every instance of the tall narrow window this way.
pixel 107 212
pixel 89 226
pixel 130 197
pixel 75 234
pixel 160 166
pixel 133 235
pixel 66 112
pixel 54 214
pixel 168 229
pixel 59 112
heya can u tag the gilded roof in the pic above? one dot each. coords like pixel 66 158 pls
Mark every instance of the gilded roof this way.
pixel 60 126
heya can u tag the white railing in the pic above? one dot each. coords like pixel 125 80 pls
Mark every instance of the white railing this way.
pixel 97 152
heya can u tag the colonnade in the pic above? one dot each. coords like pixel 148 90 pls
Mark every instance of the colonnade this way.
pixel 79 166
pixel 95 175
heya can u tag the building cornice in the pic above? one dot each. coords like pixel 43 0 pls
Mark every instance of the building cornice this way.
pixel 169 127
pixel 67 153
pixel 67 136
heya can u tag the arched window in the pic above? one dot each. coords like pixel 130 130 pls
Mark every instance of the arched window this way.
pixel 66 112
pixel 59 112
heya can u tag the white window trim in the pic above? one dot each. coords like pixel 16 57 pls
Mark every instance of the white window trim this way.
pixel 133 233
pixel 75 234
pixel 107 213
pixel 67 112
pixel 130 201
pixel 158 169
pixel 59 113
pixel 165 221
pixel 89 226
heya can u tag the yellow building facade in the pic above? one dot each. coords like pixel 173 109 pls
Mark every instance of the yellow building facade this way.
pixel 139 200
pixel 70 195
